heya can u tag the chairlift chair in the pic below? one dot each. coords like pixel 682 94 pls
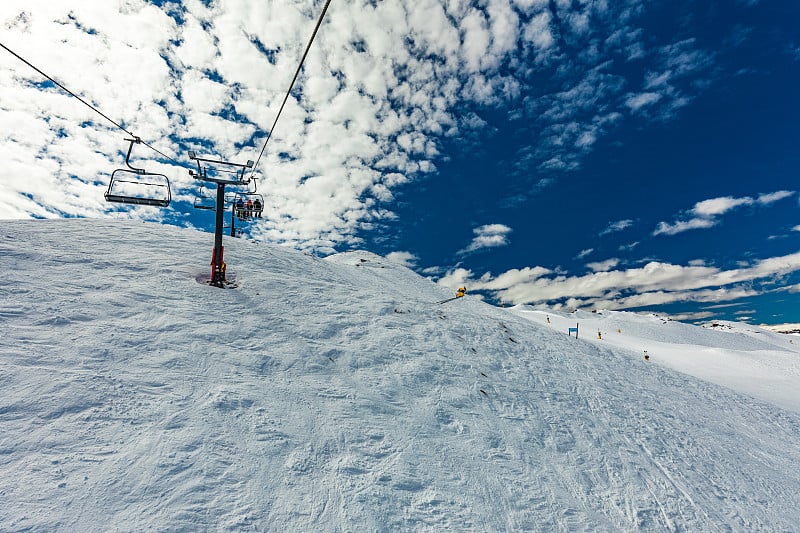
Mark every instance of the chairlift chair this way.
pixel 137 186
pixel 204 200
pixel 244 214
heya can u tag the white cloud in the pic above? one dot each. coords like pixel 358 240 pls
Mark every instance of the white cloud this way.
pixel 766 199
pixel 655 283
pixel 197 50
pixel 488 236
pixel 637 101
pixel 203 95
pixel 455 278
pixel 665 228
pixel 619 225
pixel 723 306
pixel 689 317
pixel 407 259
pixel 513 277
pixel 538 32
pixel 705 214
pixel 677 71
pixel 719 206
pixel 657 79
pixel 603 266
pixel 683 58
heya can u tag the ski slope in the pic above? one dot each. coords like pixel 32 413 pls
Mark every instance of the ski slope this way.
pixel 332 395
pixel 749 359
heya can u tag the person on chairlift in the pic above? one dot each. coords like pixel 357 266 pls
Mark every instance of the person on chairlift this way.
pixel 239 208
pixel 249 211
pixel 257 208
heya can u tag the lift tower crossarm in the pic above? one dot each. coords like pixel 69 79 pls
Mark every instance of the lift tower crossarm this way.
pixel 237 176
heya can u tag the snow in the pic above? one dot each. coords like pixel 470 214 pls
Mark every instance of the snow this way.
pixel 791 329
pixel 749 359
pixel 333 395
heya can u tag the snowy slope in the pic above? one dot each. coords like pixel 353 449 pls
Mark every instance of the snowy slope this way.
pixel 748 359
pixel 332 395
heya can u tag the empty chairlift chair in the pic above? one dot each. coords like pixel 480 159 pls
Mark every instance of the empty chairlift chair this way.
pixel 137 186
pixel 205 199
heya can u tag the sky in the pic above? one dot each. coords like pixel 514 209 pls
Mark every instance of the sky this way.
pixel 623 155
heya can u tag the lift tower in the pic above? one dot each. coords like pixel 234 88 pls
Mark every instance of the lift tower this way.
pixel 222 173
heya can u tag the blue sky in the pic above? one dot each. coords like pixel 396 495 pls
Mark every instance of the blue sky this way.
pixel 568 154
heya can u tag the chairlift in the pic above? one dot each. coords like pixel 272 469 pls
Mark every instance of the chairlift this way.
pixel 204 199
pixel 247 212
pixel 137 186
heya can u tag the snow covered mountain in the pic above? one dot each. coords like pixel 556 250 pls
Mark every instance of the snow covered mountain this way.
pixel 334 395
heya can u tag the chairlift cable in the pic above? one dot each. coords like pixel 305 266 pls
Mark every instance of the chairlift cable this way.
pixel 90 106
pixel 291 85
